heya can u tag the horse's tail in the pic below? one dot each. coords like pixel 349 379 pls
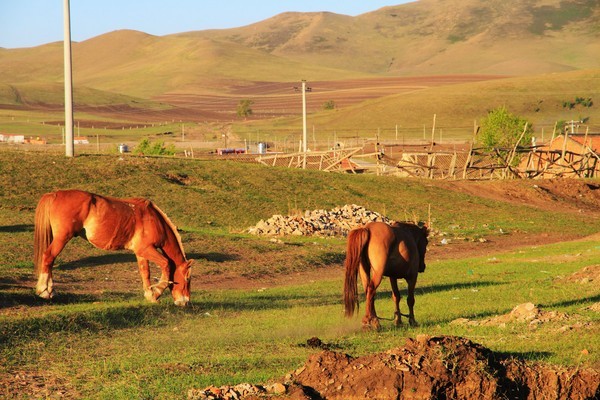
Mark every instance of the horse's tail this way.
pixel 43 231
pixel 357 240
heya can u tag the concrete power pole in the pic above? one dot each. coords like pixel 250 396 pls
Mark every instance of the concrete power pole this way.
pixel 304 149
pixel 69 143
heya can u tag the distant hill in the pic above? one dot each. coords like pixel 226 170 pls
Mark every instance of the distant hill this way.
pixel 512 37
pixel 436 37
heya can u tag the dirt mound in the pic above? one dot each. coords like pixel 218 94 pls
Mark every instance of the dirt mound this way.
pixel 586 275
pixel 568 194
pixel 440 367
pixel 532 315
pixel 433 368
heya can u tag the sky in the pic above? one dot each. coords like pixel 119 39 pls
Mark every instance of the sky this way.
pixel 28 23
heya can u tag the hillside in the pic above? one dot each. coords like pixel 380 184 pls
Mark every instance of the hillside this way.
pixel 380 68
pixel 423 37
pixel 435 37
pixel 539 99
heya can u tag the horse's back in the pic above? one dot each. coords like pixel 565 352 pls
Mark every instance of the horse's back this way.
pixel 67 208
pixel 381 241
pixel 394 248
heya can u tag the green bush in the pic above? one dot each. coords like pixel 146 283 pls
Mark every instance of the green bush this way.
pixel 500 130
pixel 329 105
pixel 148 148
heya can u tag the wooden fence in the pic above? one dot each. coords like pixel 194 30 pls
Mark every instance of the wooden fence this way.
pixel 500 164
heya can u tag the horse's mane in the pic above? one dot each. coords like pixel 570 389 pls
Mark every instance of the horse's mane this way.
pixel 172 226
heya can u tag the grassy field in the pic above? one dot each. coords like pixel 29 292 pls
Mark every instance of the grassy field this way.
pixel 407 116
pixel 99 339
pixel 538 99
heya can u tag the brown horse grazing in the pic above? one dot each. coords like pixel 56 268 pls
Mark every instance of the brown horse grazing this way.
pixel 396 251
pixel 111 224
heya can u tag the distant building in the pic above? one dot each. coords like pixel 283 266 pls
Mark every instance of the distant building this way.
pixel 12 138
pixel 80 140
pixel 565 155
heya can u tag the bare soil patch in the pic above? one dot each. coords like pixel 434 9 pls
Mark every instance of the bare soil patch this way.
pixel 587 275
pixel 574 195
pixel 276 99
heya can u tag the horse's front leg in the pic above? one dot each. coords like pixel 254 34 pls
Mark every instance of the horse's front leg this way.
pixel 45 285
pixel 149 293
pixel 410 301
pixel 153 292
pixel 396 297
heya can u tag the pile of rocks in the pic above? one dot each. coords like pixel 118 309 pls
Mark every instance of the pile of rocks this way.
pixel 336 222
pixel 236 392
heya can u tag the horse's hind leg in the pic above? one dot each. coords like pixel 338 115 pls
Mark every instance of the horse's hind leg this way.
pixel 370 320
pixel 45 284
pixel 410 301
pixel 396 297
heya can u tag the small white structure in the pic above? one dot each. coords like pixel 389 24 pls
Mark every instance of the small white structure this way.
pixel 81 140
pixel 12 138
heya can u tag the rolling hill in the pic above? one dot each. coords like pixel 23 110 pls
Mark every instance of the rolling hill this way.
pixel 426 37
pixel 436 37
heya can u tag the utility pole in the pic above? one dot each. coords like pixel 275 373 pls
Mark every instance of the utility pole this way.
pixel 304 148
pixel 304 89
pixel 69 144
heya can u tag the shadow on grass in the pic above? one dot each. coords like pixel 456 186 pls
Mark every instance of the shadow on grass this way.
pixel 530 356
pixel 94 261
pixel 573 302
pixel 92 320
pixel 430 289
pixel 30 299
pixel 214 257
pixel 16 228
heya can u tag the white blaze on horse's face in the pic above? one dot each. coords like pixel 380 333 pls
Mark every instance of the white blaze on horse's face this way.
pixel 181 284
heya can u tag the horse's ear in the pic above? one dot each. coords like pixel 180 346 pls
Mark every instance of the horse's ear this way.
pixel 425 230
pixel 188 274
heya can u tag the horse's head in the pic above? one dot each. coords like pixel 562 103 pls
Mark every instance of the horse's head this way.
pixel 422 243
pixel 181 283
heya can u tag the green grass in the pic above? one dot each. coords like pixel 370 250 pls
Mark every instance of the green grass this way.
pixel 253 192
pixel 233 336
pixel 99 334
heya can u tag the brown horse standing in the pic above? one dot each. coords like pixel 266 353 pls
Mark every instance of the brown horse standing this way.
pixel 111 224
pixel 396 251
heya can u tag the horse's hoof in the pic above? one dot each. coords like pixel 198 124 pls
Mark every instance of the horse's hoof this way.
pixel 413 323
pixel 45 294
pixel 371 325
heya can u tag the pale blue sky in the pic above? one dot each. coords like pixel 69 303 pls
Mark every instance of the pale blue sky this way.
pixel 27 23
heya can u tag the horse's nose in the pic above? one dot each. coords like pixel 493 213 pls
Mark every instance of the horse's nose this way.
pixel 182 301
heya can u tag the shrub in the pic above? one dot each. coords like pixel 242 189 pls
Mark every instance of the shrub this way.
pixel 501 130
pixel 148 148
pixel 329 105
